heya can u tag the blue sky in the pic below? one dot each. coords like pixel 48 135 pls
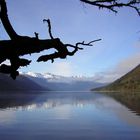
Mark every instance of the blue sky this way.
pixel 73 21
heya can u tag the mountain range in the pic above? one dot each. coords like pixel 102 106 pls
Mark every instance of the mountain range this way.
pixel 47 81
pixel 21 83
pixel 63 83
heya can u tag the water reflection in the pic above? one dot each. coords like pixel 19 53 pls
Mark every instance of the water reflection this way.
pixel 42 100
pixel 65 115
pixel 7 117
pixel 129 99
pixel 34 100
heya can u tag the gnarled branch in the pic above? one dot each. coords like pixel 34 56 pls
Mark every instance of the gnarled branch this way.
pixel 64 51
pixel 21 45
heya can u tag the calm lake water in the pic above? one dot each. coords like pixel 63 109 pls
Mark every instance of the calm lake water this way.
pixel 65 116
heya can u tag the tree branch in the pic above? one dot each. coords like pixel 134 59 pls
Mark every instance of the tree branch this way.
pixel 5 21
pixel 21 45
pixel 64 51
pixel 49 27
pixel 112 4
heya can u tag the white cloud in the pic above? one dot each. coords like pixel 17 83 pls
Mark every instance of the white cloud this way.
pixel 127 64
pixel 61 68
pixel 110 75
pixel 119 70
pixel 105 77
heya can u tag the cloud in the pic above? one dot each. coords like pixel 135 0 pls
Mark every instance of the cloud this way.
pixel 62 68
pixel 105 77
pixel 127 64
pixel 108 76
pixel 118 70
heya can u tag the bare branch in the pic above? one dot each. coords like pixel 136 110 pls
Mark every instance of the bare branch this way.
pixel 49 27
pixel 82 43
pixel 36 35
pixel 112 4
pixel 5 21
pixel 63 53
pixel 76 47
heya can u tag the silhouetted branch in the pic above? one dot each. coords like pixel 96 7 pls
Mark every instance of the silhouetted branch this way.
pixel 5 21
pixel 21 45
pixel 64 51
pixel 49 27
pixel 76 47
pixel 112 4
pixel 36 35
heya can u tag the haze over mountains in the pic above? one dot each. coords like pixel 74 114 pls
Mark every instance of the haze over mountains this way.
pixel 47 81
pixel 130 82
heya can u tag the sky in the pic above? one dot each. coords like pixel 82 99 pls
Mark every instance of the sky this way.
pixel 72 21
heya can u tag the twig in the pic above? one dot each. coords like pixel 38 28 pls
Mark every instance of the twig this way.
pixel 49 27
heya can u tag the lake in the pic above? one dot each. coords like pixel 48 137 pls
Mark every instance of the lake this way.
pixel 65 116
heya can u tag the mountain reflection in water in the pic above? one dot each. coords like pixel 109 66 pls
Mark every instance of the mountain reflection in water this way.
pixel 65 115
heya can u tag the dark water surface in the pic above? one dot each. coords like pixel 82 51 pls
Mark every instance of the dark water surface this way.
pixel 65 116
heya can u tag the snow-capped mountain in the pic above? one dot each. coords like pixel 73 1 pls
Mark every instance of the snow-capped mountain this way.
pixel 58 82
pixel 58 78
